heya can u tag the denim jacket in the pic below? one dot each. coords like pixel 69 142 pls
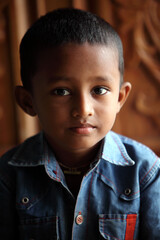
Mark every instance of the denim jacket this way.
pixel 119 197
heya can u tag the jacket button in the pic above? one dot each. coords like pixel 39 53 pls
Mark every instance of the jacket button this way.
pixel 79 219
pixel 127 191
pixel 25 200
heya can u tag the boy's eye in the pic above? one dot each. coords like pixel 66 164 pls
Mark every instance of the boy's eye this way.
pixel 100 90
pixel 61 92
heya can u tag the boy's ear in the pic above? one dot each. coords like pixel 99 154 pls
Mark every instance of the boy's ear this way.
pixel 123 94
pixel 25 100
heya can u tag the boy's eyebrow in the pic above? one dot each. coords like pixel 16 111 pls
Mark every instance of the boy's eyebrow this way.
pixel 65 78
pixel 104 78
pixel 58 78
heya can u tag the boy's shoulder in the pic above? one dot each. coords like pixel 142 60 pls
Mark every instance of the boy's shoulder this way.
pixel 30 149
pixel 128 152
pixel 127 164
pixel 136 149
pixel 27 153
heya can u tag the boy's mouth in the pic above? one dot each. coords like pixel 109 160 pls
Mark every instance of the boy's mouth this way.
pixel 83 129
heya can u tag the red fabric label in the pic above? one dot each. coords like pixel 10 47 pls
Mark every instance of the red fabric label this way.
pixel 130 226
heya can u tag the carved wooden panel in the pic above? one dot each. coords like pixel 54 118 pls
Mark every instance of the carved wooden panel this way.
pixel 138 23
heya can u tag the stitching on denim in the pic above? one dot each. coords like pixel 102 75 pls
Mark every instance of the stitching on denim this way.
pixel 58 180
pixel 109 181
pixel 111 236
pixel 119 148
pixel 106 157
pixel 148 172
pixel 141 181
pixel 48 160
pixel 115 185
pixel 113 218
pixel 58 173
pixel 112 161
pixel 134 193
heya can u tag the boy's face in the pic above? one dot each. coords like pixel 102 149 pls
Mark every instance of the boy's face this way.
pixel 76 94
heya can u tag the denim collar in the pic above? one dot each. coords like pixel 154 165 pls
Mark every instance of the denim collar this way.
pixel 35 152
pixel 30 152
pixel 114 150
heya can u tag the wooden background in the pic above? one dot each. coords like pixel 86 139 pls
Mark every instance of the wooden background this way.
pixel 137 22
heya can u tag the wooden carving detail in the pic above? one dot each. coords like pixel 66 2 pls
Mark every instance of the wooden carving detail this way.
pixel 138 23
pixel 147 41
pixel 141 20
pixel 149 108
pixel 147 37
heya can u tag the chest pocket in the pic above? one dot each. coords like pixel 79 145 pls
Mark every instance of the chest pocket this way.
pixel 44 228
pixel 118 226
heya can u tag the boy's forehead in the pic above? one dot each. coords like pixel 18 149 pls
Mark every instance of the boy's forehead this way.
pixel 75 63
pixel 83 52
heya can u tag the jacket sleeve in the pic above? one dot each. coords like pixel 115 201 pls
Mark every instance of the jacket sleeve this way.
pixel 150 208
pixel 8 218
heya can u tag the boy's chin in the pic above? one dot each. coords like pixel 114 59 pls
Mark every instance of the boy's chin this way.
pixel 82 147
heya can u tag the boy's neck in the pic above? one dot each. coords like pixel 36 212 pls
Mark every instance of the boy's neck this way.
pixel 76 159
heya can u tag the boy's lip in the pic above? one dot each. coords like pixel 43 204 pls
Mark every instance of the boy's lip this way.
pixel 83 129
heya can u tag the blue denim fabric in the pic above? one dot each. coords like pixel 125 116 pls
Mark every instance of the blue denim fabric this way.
pixel 35 202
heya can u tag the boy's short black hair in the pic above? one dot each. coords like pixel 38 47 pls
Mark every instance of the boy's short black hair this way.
pixel 65 26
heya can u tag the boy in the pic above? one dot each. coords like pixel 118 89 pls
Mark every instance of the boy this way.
pixel 76 179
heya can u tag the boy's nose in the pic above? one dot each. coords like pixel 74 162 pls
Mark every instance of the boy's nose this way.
pixel 82 107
